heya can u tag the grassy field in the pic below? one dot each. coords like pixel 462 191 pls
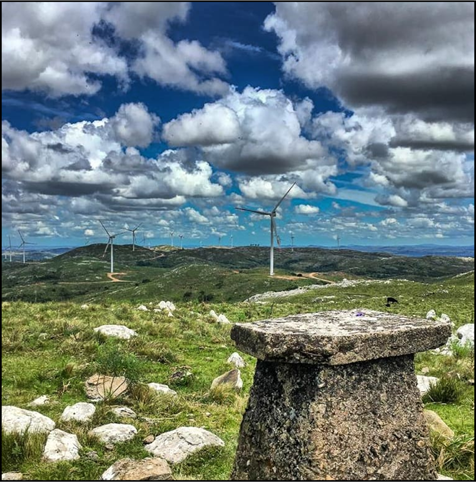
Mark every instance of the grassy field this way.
pixel 50 348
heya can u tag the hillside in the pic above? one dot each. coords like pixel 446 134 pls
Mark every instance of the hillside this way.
pixel 219 274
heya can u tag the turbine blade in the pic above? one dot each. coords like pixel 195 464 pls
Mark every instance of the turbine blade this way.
pixel 21 236
pixel 278 239
pixel 282 199
pixel 107 246
pixel 263 213
pixel 104 228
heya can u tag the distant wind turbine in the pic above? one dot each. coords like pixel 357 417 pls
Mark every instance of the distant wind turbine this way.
pixel 10 247
pixel 172 238
pixel 272 215
pixel 231 240
pixel 22 245
pixel 292 242
pixel 110 242
pixel 181 241
pixel 338 241
pixel 133 231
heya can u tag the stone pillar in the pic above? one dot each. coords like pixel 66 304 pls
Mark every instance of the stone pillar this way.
pixel 335 397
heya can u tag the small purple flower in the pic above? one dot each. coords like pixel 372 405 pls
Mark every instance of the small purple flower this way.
pixel 359 313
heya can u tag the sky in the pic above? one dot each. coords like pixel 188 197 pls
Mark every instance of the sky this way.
pixel 172 114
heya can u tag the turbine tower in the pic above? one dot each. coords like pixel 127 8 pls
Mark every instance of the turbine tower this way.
pixel 272 215
pixel 292 242
pixel 110 242
pixel 10 247
pixel 181 241
pixel 172 238
pixel 338 241
pixel 133 231
pixel 231 240
pixel 22 245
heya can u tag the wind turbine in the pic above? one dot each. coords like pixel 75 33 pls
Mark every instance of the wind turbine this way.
pixel 10 247
pixel 111 243
pixel 231 240
pixel 133 231
pixel 338 241
pixel 292 242
pixel 272 215
pixel 172 238
pixel 181 241
pixel 22 245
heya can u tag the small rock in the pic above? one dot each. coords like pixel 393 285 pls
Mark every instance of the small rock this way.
pixel 425 370
pixel 92 455
pixel 43 400
pixel 160 388
pixel 431 315
pixel 443 477
pixel 231 378
pixel 146 469
pixel 61 446
pixel 43 336
pixel 109 447
pixel 181 375
pixel 149 439
pixel 177 445
pixel 213 315
pixel 222 319
pixel 142 308
pixel 116 331
pixel 444 317
pixel 471 381
pixel 79 412
pixel 167 305
pixel 236 360
pixel 99 387
pixel 12 476
pixel 113 433
pixel 18 420
pixel 465 334
pixel 84 306
pixel 124 412
pixel 425 383
pixel 437 425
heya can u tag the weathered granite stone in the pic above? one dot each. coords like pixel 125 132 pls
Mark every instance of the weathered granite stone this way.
pixel 146 469
pixel 338 337
pixel 12 476
pixel 425 383
pixel 160 388
pixel 123 412
pixel 335 397
pixel 113 433
pixel 116 331
pixel 61 446
pixel 436 424
pixel 100 387
pixel 19 420
pixel 177 445
pixel 235 359
pixel 231 378
pixel 79 412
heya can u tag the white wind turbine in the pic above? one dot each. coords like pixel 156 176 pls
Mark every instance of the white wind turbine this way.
pixel 110 242
pixel 172 238
pixel 338 241
pixel 22 245
pixel 292 242
pixel 231 240
pixel 181 241
pixel 133 231
pixel 10 247
pixel 272 215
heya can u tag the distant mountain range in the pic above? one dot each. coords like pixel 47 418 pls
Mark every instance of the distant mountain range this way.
pixel 418 250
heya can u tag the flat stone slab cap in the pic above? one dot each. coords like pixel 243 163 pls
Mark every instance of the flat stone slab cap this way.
pixel 339 337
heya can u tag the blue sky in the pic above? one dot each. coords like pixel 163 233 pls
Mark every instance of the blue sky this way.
pixel 173 114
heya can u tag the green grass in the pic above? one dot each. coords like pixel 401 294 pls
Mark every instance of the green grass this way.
pixel 50 348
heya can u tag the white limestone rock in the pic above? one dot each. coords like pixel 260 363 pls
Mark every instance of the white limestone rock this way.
pixel 231 378
pixel 163 389
pixel 167 305
pixel 177 445
pixel 425 383
pixel 444 317
pixel 124 412
pixel 142 308
pixel 116 331
pixel 235 359
pixel 38 402
pixel 113 433
pixel 219 318
pixel 12 476
pixel 465 334
pixel 145 469
pixel 84 306
pixel 443 477
pixel 18 420
pixel 79 412
pixel 61 446
pixel 431 315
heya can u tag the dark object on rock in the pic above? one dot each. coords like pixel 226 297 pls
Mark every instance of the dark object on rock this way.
pixel 335 397
pixel 391 300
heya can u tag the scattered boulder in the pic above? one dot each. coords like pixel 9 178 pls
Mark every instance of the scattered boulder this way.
pixel 38 402
pixel 124 412
pixel 425 370
pixel 431 315
pixel 219 318
pixel 160 388
pixel 146 469
pixel 18 420
pixel 443 477
pixel 142 308
pixel 79 412
pixel 177 445
pixel 235 359
pixel 92 455
pixel 167 305
pixel 425 383
pixel 12 476
pixel 444 317
pixel 117 331
pixel 61 446
pixel 465 334
pixel 113 433
pixel 99 387
pixel 148 440
pixel 84 306
pixel 232 378
pixel 437 425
